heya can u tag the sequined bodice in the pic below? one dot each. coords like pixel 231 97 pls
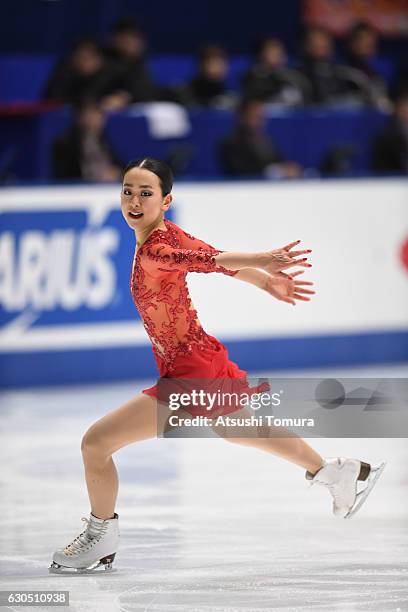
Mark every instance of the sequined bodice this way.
pixel 160 293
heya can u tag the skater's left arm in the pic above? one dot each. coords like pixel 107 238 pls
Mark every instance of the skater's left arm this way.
pixel 253 276
pixel 282 286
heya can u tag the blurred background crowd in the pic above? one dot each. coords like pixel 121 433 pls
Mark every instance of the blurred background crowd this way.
pixel 333 104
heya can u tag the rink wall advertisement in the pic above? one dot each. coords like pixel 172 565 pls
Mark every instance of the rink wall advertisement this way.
pixel 67 316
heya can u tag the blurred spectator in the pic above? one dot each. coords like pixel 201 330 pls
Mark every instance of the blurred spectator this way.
pixel 208 86
pixel 127 49
pixel 83 150
pixel 390 149
pixel 362 47
pixel 87 74
pixel 270 78
pixel 331 83
pixel 318 66
pixel 248 150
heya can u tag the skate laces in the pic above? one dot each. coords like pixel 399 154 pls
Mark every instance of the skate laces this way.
pixel 86 539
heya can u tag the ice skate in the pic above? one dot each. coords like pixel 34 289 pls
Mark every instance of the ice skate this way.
pixel 349 481
pixel 92 551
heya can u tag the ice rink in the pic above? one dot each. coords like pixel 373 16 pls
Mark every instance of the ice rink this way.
pixel 205 525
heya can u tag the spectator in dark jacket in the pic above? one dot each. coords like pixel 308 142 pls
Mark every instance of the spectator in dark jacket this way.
pixel 83 151
pixel 271 79
pixel 249 151
pixel 85 74
pixel 330 82
pixel 208 86
pixel 127 49
pixel 362 48
pixel 390 149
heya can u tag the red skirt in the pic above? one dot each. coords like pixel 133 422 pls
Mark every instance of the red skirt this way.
pixel 215 373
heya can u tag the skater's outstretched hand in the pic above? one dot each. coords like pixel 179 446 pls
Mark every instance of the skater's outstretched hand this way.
pixel 281 259
pixel 283 287
pixel 269 261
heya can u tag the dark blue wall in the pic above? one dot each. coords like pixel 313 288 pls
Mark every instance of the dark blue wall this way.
pixel 172 26
pixel 302 136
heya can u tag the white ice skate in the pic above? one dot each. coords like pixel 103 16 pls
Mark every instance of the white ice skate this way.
pixel 349 481
pixel 92 551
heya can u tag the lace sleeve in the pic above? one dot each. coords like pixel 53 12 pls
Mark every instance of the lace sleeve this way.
pixel 166 258
pixel 187 241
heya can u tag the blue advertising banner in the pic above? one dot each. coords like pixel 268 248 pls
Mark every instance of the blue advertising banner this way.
pixel 65 262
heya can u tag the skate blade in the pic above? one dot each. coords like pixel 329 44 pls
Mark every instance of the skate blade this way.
pixel 361 497
pixel 70 571
pixel 61 570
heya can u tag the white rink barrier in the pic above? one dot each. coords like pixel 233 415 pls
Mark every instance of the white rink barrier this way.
pixel 66 313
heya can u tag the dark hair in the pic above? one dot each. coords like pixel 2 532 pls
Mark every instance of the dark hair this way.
pixel 128 25
pixel 359 28
pixel 261 43
pixel 87 42
pixel 158 167
pixel 315 29
pixel 247 101
pixel 210 50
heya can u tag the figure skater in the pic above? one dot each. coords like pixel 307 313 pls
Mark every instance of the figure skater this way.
pixel 164 254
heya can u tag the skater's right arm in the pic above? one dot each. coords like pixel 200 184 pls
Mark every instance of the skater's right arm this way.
pixel 271 261
pixel 163 257
pixel 231 261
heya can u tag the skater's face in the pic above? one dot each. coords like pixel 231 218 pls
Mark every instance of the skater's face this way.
pixel 142 201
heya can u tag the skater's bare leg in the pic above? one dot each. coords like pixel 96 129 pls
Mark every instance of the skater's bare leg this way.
pixel 275 440
pixel 295 450
pixel 136 420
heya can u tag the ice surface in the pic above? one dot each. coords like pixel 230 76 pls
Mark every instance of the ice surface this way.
pixel 206 525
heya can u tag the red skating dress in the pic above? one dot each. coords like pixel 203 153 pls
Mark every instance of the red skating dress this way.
pixel 182 349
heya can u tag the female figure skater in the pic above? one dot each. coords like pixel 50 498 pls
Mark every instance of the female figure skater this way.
pixel 164 255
